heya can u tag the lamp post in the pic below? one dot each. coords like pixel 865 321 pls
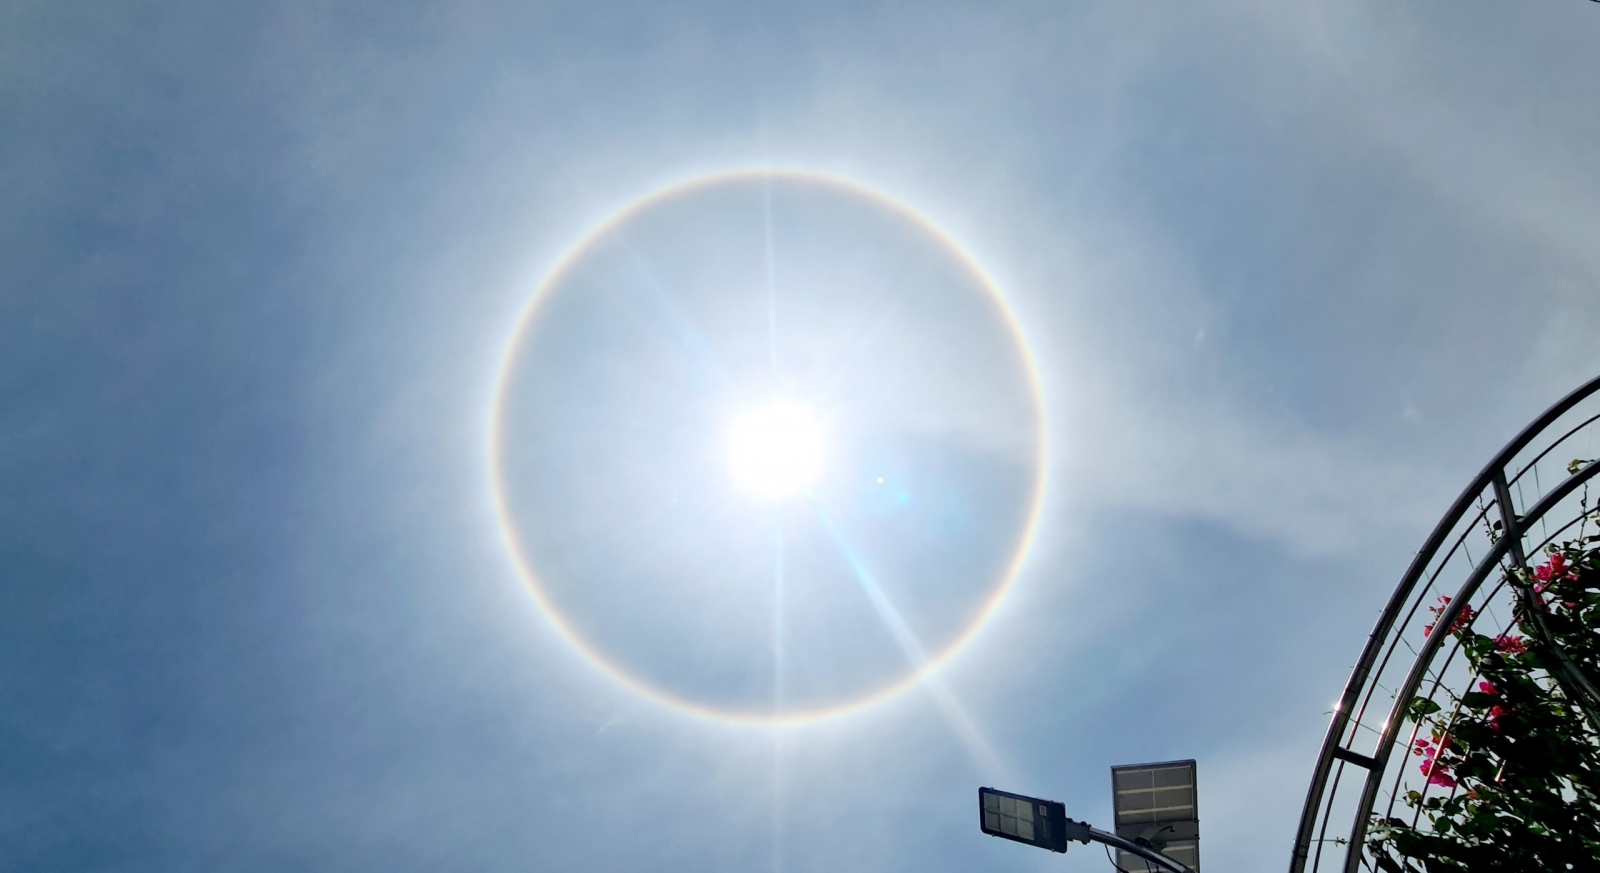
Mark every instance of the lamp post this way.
pixel 1044 824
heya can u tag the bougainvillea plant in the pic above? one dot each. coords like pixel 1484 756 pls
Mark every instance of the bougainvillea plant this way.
pixel 1512 765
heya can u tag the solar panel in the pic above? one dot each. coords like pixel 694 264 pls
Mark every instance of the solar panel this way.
pixel 1157 802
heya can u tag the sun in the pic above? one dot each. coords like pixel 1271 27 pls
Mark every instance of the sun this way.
pixel 776 449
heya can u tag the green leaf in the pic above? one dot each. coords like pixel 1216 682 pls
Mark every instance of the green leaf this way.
pixel 1420 708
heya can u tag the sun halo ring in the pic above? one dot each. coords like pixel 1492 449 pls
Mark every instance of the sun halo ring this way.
pixel 523 564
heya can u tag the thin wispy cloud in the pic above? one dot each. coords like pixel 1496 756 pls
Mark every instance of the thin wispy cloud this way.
pixel 1290 274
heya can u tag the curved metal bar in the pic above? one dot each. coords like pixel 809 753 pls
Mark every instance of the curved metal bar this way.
pixel 1403 695
pixel 1433 577
pixel 1332 742
pixel 1394 642
pixel 1553 446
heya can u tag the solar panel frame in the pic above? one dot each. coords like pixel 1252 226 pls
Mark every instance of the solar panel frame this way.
pixel 1157 798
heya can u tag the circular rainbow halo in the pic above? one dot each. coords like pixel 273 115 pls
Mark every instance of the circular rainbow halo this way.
pixel 904 456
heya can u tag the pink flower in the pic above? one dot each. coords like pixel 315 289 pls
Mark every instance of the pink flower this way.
pixel 1552 570
pixel 1437 774
pixel 1495 714
pixel 1488 688
pixel 1510 645
pixel 1462 621
pixel 1436 771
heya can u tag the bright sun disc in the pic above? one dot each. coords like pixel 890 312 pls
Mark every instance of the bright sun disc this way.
pixel 776 449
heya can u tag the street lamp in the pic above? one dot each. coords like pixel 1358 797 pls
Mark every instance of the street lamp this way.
pixel 1044 823
pixel 1041 823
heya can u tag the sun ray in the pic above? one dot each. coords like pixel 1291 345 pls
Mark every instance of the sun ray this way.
pixel 679 323
pixel 777 690
pixel 777 538
pixel 982 752
pixel 772 281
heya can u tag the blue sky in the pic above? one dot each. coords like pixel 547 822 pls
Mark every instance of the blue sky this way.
pixel 1290 272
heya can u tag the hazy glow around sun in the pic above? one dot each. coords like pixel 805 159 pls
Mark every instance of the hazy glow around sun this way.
pixel 776 449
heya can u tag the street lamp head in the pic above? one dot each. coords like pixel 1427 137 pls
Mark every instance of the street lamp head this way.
pixel 1041 823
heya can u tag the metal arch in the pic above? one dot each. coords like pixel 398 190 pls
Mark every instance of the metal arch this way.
pixel 1419 667
pixel 1333 750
